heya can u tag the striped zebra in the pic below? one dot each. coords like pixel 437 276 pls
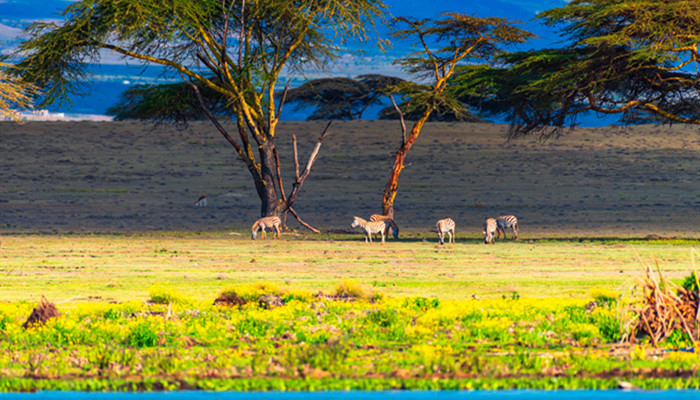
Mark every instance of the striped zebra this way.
pixel 391 226
pixel 507 221
pixel 490 229
pixel 369 228
pixel 266 223
pixel 443 226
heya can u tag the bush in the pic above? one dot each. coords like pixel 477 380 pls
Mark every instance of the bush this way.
pixel 142 335
pixel 355 290
pixel 605 297
pixel 160 294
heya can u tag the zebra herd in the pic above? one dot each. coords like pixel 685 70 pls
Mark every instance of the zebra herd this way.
pixel 383 225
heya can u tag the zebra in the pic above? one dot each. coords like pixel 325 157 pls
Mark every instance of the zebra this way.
pixel 369 228
pixel 390 224
pixel 507 221
pixel 445 225
pixel 264 223
pixel 490 229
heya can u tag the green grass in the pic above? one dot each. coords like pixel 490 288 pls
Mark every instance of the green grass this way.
pixel 120 268
pixel 137 313
pixel 312 343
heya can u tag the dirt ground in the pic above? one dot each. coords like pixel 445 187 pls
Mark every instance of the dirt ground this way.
pixel 112 177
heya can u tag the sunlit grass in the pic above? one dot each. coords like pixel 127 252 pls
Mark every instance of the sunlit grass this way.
pixel 116 267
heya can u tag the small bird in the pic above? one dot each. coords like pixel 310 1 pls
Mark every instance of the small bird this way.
pixel 477 204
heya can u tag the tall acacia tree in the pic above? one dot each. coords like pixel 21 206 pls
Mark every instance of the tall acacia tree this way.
pixel 237 48
pixel 443 44
pixel 636 58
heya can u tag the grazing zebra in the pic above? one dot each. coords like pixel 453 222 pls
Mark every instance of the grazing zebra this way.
pixel 507 221
pixel 201 202
pixel 443 226
pixel 369 228
pixel 265 223
pixel 390 224
pixel 490 229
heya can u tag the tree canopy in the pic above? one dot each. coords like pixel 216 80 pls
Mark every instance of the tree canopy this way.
pixel 637 58
pixel 169 102
pixel 15 94
pixel 340 98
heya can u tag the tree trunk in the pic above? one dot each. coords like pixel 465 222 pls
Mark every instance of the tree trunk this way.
pixel 392 187
pixel 267 191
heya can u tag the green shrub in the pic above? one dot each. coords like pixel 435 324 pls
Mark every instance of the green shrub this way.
pixel 382 318
pixel 604 297
pixel 421 303
pixel 353 289
pixel 691 283
pixel 160 294
pixel 142 335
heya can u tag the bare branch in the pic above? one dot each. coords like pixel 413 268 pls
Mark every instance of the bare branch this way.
pixel 279 174
pixel 296 159
pixel 299 181
pixel 403 123
pixel 284 97
pixel 307 226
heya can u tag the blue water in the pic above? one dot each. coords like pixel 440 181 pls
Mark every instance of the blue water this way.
pixel 356 395
pixel 108 81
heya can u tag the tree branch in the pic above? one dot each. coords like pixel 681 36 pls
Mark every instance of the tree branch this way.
pixel 403 123
pixel 307 226
pixel 296 158
pixel 279 174
pixel 299 181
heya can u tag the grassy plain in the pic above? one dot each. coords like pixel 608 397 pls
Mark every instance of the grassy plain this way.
pixel 99 218
pixel 124 267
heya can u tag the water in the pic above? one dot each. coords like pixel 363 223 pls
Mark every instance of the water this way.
pixel 108 81
pixel 358 395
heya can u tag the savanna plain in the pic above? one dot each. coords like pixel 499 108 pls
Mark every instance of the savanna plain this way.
pixel 156 294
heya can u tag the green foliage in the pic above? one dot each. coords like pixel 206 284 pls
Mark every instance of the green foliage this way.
pixel 690 283
pixel 340 98
pixel 142 335
pixel 605 297
pixel 175 102
pixel 4 320
pixel 353 289
pixel 637 58
pixel 340 344
pixel 458 39
pixel 422 303
pixel 160 294
pixel 14 92
pixel 678 339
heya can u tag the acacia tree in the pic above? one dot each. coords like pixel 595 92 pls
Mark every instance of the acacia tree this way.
pixel 340 98
pixel 636 58
pixel 14 93
pixel 443 44
pixel 236 48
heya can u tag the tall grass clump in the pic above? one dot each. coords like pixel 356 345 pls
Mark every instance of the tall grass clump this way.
pixel 351 289
pixel 265 294
pixel 160 294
